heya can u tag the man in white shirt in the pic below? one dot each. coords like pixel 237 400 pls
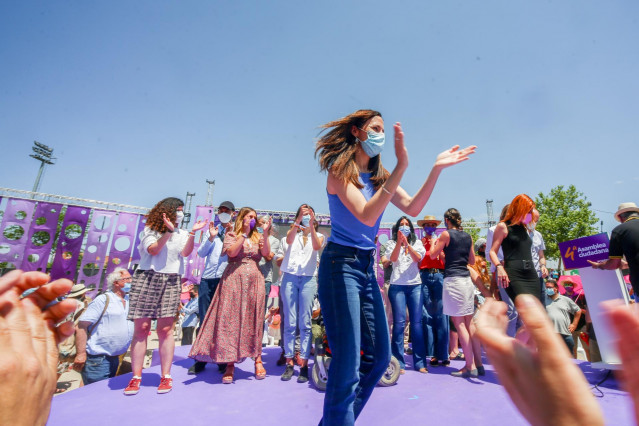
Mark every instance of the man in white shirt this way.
pixel 538 257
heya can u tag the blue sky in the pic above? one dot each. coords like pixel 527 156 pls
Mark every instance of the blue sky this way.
pixel 143 100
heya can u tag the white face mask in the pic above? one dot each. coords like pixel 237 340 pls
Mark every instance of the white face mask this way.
pixel 179 216
pixel 224 217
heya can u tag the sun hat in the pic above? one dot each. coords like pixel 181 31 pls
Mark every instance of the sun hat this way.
pixel 626 207
pixel 77 290
pixel 428 219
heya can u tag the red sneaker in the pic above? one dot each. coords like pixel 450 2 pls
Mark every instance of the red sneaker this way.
pixel 134 386
pixel 166 384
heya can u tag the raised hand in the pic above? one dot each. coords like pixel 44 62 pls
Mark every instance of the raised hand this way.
pixel 544 383
pixel 401 239
pixel 266 227
pixel 170 225
pixel 213 231
pixel 400 149
pixel 453 156
pixel 199 225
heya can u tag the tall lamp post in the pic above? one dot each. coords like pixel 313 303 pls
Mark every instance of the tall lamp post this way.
pixel 42 153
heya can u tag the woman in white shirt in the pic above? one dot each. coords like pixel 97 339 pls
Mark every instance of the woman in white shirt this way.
pixel 299 251
pixel 405 251
pixel 155 290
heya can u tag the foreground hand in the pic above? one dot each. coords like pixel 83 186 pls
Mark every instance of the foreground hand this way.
pixel 625 322
pixel 400 149
pixel 453 156
pixel 544 384
pixel 28 345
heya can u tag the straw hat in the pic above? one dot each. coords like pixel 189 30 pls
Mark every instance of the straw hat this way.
pixel 77 290
pixel 626 207
pixel 428 219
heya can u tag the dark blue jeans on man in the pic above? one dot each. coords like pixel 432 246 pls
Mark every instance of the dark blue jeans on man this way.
pixel 570 342
pixel 206 291
pixel 402 297
pixel 435 323
pixel 99 367
pixel 355 321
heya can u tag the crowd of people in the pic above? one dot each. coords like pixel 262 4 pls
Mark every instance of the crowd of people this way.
pixel 456 292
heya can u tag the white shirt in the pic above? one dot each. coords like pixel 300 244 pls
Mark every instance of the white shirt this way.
pixel 405 269
pixel 489 243
pixel 299 259
pixel 537 245
pixel 169 260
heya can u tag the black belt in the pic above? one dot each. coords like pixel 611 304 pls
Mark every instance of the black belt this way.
pixel 433 270
pixel 103 356
pixel 524 264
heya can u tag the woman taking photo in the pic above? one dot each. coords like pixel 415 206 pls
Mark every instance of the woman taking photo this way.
pixel 459 290
pixel 234 324
pixel 155 290
pixel 359 189
pixel 405 251
pixel 517 275
pixel 300 255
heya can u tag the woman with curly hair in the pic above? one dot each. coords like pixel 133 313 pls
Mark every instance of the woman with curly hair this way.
pixel 155 290
pixel 359 188
pixel 405 251
pixel 234 324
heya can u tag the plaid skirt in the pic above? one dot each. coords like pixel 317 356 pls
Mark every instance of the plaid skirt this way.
pixel 154 295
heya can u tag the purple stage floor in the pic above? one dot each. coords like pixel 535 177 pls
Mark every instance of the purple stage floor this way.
pixel 435 398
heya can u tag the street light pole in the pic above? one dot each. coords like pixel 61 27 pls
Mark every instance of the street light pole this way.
pixel 42 153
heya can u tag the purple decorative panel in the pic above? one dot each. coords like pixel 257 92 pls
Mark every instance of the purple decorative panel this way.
pixel 95 250
pixel 41 236
pixel 15 230
pixel 122 242
pixel 65 262
pixel 135 259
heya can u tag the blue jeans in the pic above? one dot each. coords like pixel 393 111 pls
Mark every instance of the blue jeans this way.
pixel 435 323
pixel 205 295
pixel 542 289
pixel 99 367
pixel 570 342
pixel 402 296
pixel 355 321
pixel 298 293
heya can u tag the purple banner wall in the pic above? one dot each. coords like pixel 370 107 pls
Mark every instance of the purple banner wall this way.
pixel 43 227
pixel 135 259
pixel 65 262
pixel 122 241
pixel 98 234
pixel 577 253
pixel 15 230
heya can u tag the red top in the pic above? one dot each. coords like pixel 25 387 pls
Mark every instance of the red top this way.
pixel 427 262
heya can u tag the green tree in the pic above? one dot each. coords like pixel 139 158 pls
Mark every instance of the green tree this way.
pixel 565 214
pixel 472 228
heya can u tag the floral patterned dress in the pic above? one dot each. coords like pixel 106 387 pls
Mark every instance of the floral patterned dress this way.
pixel 234 324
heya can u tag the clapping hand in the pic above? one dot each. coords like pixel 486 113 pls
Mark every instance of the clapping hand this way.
pixel 170 225
pixel 213 231
pixel 453 156
pixel 401 153
pixel 199 225
pixel 401 239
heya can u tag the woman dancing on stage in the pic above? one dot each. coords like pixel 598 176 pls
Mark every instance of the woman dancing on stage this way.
pixel 234 324
pixel 359 189
pixel 517 274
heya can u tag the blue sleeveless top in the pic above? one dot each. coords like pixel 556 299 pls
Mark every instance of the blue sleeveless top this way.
pixel 346 229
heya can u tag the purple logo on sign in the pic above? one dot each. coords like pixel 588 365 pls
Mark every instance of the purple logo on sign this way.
pixel 577 253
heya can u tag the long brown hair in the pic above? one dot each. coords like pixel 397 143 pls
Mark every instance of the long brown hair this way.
pixel 167 206
pixel 337 148
pixel 254 236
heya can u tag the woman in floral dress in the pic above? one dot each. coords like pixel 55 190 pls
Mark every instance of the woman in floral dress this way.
pixel 234 324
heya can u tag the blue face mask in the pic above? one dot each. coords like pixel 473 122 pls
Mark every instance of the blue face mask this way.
pixel 429 230
pixel 260 231
pixel 374 144
pixel 550 292
pixel 306 220
pixel 405 230
pixel 127 287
